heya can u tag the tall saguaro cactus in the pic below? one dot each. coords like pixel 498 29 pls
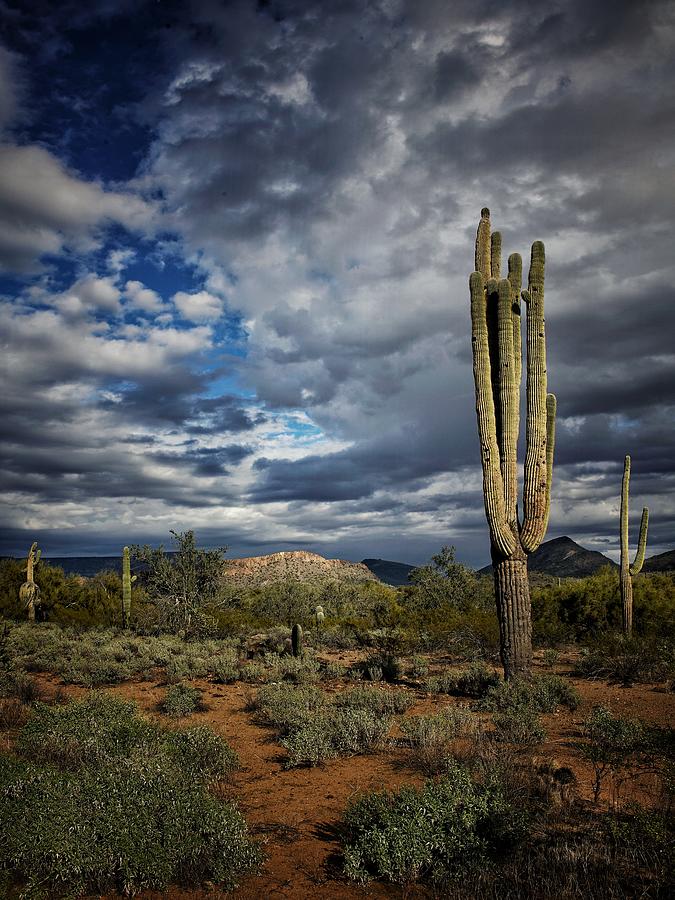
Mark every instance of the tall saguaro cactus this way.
pixel 127 581
pixel 29 592
pixel 497 368
pixel 627 571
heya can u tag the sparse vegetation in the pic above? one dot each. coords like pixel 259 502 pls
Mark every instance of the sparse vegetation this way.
pixel 100 798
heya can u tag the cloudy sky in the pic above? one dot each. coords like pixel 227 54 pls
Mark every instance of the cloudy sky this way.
pixel 235 241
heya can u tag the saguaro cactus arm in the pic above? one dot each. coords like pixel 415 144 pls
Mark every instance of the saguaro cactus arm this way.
pixel 636 568
pixel 508 401
pixel 493 484
pixel 535 488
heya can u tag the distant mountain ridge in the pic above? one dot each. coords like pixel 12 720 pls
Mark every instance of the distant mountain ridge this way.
pixel 294 565
pixel 564 558
pixel 393 573
pixel 661 562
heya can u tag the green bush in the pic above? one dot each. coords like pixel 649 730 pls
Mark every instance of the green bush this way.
pixel 108 800
pixel 476 681
pixel 430 736
pixel 436 832
pixel 182 700
pixel 543 694
pixel 627 660
pixel 519 725
pixel 314 729
pixel 611 743
pixel 378 700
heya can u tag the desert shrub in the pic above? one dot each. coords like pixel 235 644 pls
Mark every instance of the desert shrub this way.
pixel 225 670
pixel 435 832
pixel 181 700
pixel 107 800
pixel 611 743
pixel 314 729
pixel 200 753
pixel 377 700
pixel 627 660
pixel 519 725
pixel 419 667
pixel 13 713
pixel 543 694
pixel 21 686
pixel 385 666
pixel 333 670
pixel 476 681
pixel 550 657
pixel 287 706
pixel 430 736
pixel 310 743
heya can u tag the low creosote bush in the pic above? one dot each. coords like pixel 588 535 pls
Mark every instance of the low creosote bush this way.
pixel 475 682
pixel 107 800
pixel 314 729
pixel 430 736
pixel 437 832
pixel 378 700
pixel 611 744
pixel 543 694
pixel 182 700
pixel 627 660
pixel 519 725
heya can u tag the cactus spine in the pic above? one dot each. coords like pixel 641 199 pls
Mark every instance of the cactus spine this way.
pixel 127 581
pixel 296 640
pixel 497 368
pixel 29 592
pixel 627 571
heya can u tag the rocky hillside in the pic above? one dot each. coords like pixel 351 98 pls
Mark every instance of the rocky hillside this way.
pixel 394 573
pixel 296 565
pixel 564 558
pixel 662 562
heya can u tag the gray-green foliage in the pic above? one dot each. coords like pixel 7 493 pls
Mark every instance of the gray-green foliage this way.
pixel 475 681
pixel 314 727
pixel 517 705
pixel 611 743
pixel 181 700
pixel 444 829
pixel 430 737
pixel 184 587
pixel 108 656
pixel 100 799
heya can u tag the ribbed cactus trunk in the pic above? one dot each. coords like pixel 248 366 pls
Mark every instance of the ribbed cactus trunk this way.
pixel 296 640
pixel 29 592
pixel 627 571
pixel 497 366
pixel 127 581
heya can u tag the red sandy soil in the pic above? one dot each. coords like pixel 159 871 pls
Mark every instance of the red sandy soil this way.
pixel 296 812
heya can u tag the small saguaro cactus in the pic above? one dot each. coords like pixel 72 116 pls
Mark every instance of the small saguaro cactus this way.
pixel 627 571
pixel 296 640
pixel 127 580
pixel 497 367
pixel 29 592
pixel 319 616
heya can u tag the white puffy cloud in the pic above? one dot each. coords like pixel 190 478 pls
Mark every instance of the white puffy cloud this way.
pixel 142 297
pixel 89 294
pixel 44 208
pixel 198 307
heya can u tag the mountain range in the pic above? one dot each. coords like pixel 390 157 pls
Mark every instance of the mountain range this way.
pixel 561 557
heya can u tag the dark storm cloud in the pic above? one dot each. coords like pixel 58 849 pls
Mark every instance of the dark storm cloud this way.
pixel 331 159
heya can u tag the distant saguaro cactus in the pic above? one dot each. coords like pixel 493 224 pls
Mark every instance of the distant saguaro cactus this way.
pixel 627 571
pixel 127 580
pixel 497 367
pixel 296 640
pixel 29 592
